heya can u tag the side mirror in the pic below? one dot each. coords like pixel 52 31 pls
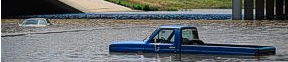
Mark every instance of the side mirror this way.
pixel 144 39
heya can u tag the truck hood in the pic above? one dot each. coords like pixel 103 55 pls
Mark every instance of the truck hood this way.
pixel 127 44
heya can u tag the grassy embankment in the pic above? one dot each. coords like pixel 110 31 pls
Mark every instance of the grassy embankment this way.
pixel 173 5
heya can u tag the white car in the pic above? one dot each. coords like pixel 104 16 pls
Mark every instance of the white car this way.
pixel 35 22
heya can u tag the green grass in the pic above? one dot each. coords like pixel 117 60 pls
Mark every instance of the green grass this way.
pixel 172 5
pixel 134 5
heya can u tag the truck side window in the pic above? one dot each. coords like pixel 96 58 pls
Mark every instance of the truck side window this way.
pixel 187 35
pixel 164 36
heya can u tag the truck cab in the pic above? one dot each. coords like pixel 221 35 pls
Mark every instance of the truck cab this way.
pixel 185 39
pixel 170 38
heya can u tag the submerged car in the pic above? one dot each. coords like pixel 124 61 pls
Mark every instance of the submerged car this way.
pixel 185 39
pixel 35 22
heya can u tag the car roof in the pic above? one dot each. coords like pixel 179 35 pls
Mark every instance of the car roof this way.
pixel 176 26
pixel 36 19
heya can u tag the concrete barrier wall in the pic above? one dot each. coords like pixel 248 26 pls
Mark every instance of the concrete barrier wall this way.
pixel 32 7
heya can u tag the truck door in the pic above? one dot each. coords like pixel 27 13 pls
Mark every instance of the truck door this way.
pixel 162 42
pixel 190 42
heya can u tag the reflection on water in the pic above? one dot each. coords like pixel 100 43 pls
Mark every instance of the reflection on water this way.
pixel 92 45
pixel 172 57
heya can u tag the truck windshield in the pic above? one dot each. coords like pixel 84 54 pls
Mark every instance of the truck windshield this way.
pixel 164 36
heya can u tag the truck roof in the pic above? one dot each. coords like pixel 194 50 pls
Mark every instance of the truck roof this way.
pixel 175 26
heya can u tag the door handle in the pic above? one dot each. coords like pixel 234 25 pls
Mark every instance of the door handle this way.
pixel 172 47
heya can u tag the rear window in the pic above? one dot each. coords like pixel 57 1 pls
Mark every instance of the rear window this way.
pixel 30 22
pixel 42 22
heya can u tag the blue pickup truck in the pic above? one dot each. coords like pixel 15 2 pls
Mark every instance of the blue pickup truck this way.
pixel 185 39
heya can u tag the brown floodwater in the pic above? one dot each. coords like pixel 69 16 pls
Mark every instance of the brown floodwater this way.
pixel 87 40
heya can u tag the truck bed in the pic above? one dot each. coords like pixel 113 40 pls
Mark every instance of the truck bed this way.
pixel 228 49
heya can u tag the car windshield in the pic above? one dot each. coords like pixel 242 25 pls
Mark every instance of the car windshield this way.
pixel 30 22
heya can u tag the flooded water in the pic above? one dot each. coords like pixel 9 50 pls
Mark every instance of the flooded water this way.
pixel 91 44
